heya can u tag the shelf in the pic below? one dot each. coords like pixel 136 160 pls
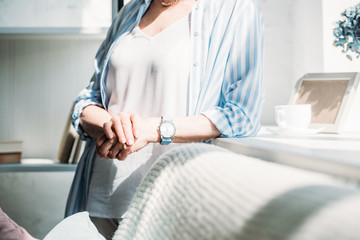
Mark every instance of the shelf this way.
pixel 19 167
pixel 53 32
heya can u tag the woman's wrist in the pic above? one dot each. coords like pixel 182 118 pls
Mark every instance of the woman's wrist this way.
pixel 150 129
pixel 92 120
pixel 188 129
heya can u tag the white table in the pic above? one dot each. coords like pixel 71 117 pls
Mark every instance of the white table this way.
pixel 336 154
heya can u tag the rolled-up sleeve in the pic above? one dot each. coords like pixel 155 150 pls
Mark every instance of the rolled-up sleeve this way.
pixel 91 95
pixel 88 96
pixel 242 93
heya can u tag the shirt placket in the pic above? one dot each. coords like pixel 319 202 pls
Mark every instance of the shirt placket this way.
pixel 194 86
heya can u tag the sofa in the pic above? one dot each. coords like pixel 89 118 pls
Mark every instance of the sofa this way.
pixel 201 191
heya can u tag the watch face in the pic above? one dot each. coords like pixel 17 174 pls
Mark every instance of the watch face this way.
pixel 167 129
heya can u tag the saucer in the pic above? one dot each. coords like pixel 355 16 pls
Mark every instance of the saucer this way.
pixel 294 131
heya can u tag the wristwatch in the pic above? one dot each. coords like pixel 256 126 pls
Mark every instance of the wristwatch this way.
pixel 167 130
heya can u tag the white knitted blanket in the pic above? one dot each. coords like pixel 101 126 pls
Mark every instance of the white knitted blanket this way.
pixel 199 191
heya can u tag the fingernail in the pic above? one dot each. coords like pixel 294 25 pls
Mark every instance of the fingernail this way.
pixel 111 135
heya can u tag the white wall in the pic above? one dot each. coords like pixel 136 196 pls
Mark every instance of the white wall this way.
pixel 293 47
pixel 55 13
pixel 308 38
pixel 39 80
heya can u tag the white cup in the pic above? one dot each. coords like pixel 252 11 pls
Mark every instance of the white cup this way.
pixel 293 116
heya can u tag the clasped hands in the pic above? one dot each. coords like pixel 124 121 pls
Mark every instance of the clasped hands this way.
pixel 124 134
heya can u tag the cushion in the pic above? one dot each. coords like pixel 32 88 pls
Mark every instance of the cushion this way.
pixel 9 230
pixel 75 227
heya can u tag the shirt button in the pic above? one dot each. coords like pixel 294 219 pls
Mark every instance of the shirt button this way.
pixel 196 7
pixel 196 34
pixel 196 64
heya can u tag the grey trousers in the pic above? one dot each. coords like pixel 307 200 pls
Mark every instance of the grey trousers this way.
pixel 106 226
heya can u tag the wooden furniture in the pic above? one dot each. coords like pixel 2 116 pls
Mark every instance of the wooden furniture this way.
pixel 70 145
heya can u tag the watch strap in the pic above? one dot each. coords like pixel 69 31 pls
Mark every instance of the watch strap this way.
pixel 165 140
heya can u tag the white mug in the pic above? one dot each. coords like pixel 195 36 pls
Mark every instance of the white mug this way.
pixel 296 116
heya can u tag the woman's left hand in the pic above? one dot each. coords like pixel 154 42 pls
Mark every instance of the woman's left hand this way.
pixel 125 126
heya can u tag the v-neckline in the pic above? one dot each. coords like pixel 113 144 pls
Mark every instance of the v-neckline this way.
pixel 162 31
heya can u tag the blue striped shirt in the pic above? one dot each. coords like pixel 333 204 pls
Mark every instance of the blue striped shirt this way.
pixel 226 76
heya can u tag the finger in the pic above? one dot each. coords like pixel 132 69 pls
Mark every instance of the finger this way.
pixel 116 124
pixel 119 156
pixel 99 141
pixel 127 127
pixel 122 155
pixel 115 150
pixel 136 124
pixel 127 150
pixel 105 148
pixel 108 130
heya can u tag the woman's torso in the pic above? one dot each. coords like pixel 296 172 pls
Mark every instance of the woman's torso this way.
pixel 149 75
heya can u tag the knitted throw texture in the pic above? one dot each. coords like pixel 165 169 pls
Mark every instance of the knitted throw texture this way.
pixel 199 191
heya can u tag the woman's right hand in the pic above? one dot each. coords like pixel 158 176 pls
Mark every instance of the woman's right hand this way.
pixel 108 148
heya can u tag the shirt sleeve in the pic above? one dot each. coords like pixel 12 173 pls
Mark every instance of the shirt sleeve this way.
pixel 88 96
pixel 242 93
pixel 91 95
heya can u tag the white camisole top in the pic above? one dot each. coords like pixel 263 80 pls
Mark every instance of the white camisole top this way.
pixel 149 75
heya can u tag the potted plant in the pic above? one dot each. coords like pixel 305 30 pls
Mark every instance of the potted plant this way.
pixel 347 31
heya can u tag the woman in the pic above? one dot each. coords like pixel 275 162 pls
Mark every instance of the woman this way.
pixel 168 71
